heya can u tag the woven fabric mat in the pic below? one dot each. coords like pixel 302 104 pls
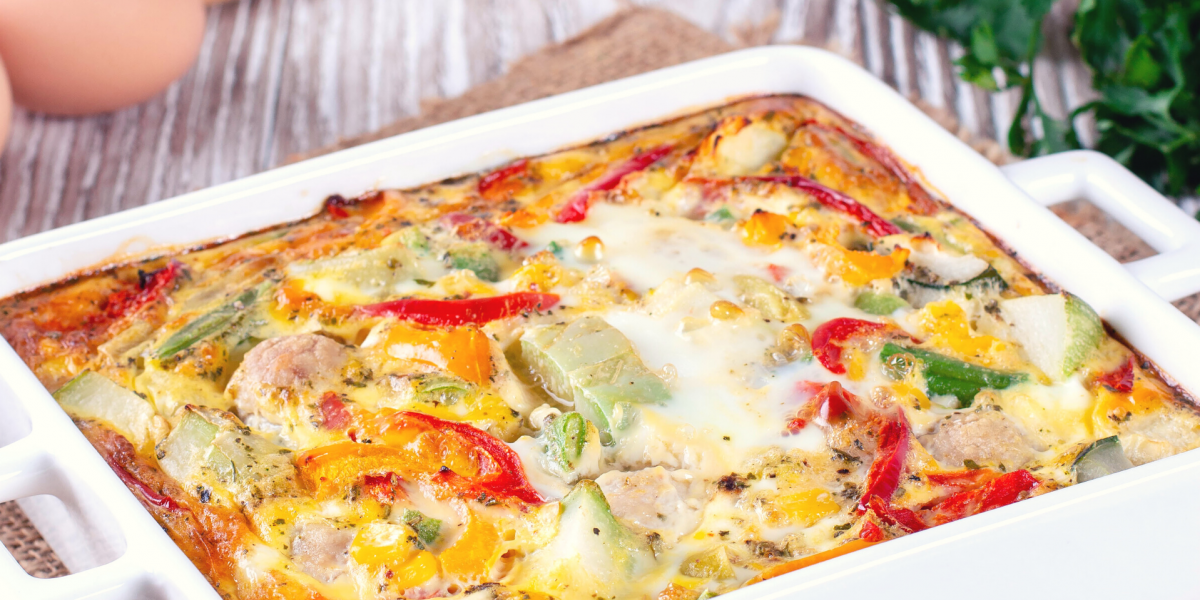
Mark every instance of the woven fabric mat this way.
pixel 628 43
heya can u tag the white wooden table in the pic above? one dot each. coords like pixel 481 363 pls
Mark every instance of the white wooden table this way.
pixel 278 77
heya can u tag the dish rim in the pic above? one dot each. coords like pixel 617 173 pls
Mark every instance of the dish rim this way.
pixel 891 119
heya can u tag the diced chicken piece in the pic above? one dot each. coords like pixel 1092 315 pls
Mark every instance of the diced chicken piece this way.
pixel 322 550
pixel 291 361
pixel 655 499
pixel 298 361
pixel 983 437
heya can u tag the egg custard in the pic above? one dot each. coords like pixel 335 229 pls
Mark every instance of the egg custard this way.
pixel 665 365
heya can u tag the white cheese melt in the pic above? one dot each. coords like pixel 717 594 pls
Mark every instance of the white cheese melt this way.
pixel 646 249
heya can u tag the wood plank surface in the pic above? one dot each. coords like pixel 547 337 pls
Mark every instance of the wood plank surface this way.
pixel 281 77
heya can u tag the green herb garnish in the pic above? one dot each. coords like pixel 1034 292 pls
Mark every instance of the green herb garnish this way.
pixel 427 528
pixel 1148 113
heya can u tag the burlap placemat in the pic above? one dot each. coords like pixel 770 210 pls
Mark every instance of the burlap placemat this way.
pixel 27 545
pixel 628 43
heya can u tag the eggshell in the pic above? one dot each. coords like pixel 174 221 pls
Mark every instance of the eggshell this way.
pixel 72 57
pixel 5 106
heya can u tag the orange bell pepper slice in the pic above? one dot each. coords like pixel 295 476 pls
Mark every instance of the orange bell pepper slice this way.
pixel 446 456
pixel 765 228
pixel 464 351
pixel 471 555
pixel 860 268
pixel 499 469
pixel 330 471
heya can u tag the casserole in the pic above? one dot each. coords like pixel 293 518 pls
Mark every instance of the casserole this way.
pixel 808 67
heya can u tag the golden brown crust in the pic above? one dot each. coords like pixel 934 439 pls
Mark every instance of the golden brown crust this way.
pixel 210 537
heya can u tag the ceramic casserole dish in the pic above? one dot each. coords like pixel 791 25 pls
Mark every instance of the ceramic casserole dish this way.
pixel 1116 536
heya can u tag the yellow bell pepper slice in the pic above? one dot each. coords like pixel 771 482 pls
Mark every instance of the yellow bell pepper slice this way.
pixel 523 218
pixel 471 556
pixel 380 546
pixel 807 507
pixel 947 325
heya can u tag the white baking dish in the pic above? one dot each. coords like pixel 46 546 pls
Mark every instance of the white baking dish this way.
pixel 1132 534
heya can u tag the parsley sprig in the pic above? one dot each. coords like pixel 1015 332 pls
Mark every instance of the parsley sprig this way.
pixel 1144 62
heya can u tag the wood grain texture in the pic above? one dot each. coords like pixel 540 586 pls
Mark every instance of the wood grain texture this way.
pixel 281 77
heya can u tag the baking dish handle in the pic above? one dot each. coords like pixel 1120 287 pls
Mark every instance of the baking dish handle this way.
pixel 1175 271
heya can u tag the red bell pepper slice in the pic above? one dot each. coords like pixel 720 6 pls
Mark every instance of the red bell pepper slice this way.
pixel 872 533
pixel 962 480
pixel 828 339
pixel 830 404
pixel 470 227
pixel 795 425
pixel 1121 378
pixel 147 493
pixel 334 414
pixel 827 197
pixel 833 199
pixel 835 403
pixel 806 390
pixel 895 516
pixel 992 491
pixel 118 452
pixel 501 472
pixel 576 208
pixel 825 403
pixel 450 313
pixel 922 203
pixel 336 205
pixel 891 452
pixel 499 184
pixel 152 286
pixel 385 488
pixel 1001 491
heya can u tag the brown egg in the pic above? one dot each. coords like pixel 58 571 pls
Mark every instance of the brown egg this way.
pixel 73 57
pixel 5 106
